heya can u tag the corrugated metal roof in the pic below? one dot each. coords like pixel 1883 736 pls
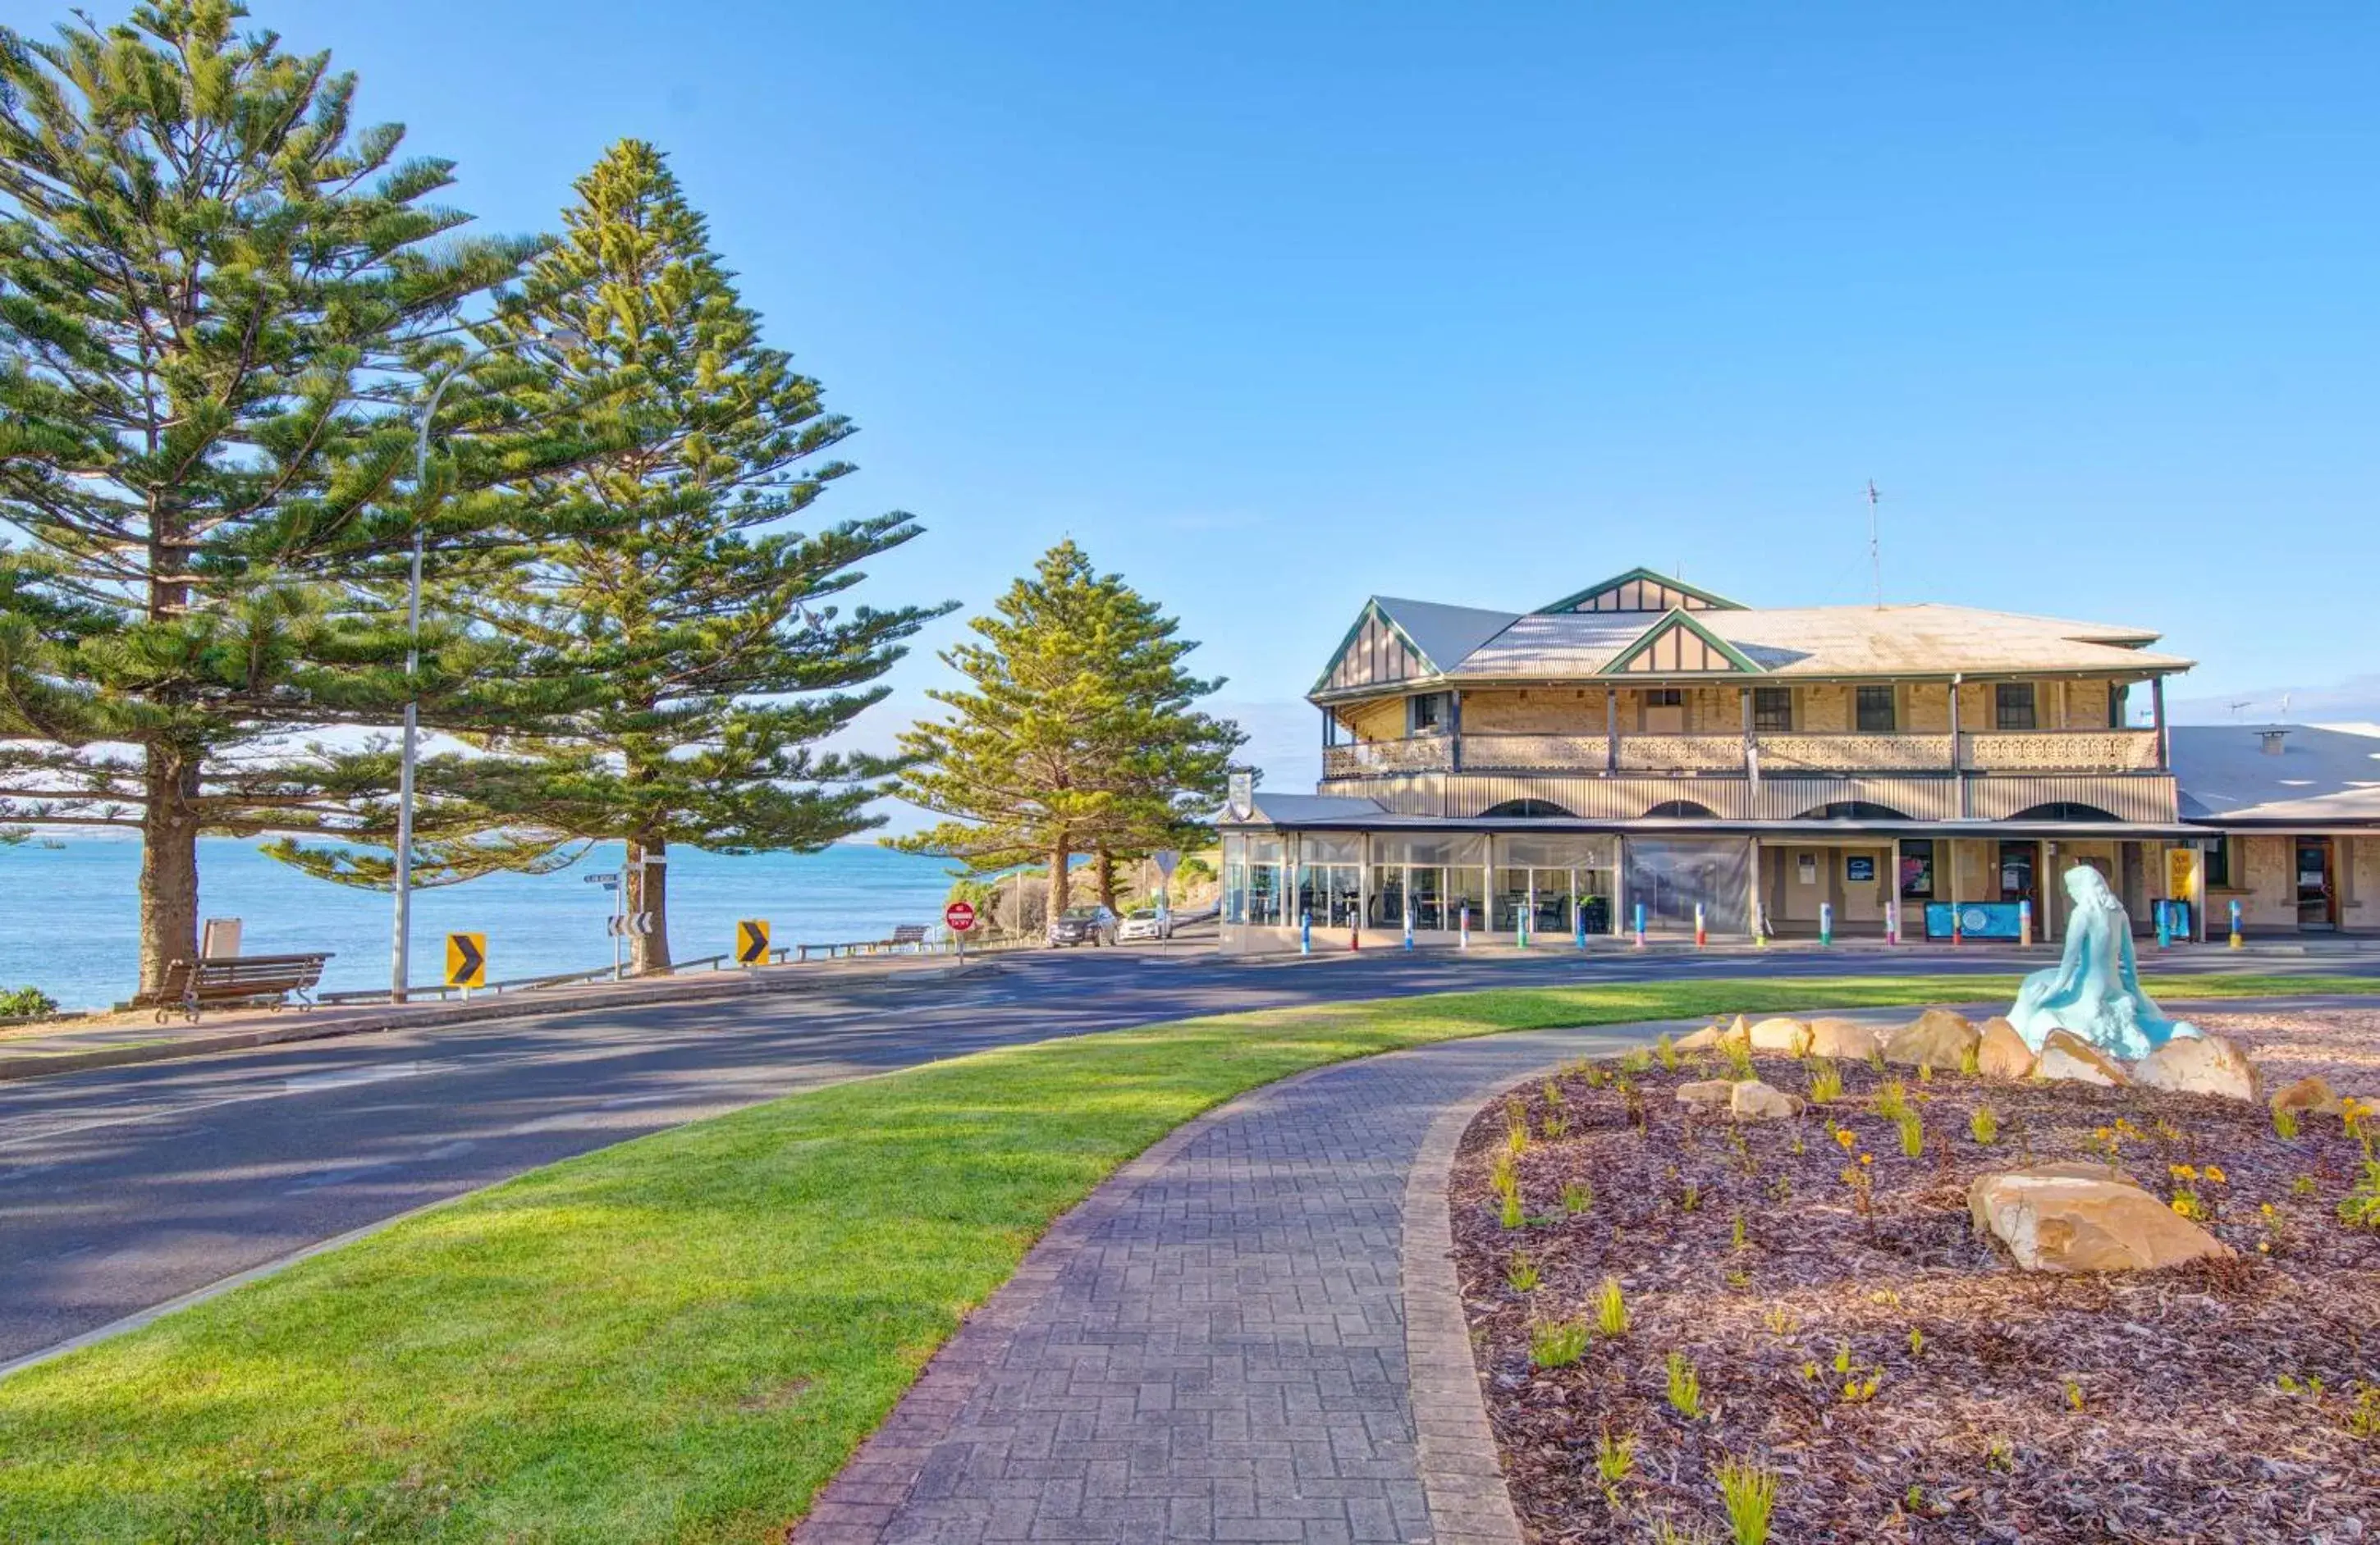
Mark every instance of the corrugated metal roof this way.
pixel 2318 778
pixel 1445 633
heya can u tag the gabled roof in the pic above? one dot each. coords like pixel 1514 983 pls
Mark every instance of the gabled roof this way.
pixel 1438 638
pixel 1670 645
pixel 1641 590
pixel 2318 777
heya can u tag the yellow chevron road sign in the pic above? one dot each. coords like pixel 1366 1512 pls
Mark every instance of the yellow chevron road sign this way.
pixel 466 960
pixel 752 941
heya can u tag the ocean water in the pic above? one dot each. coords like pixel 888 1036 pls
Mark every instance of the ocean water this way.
pixel 69 914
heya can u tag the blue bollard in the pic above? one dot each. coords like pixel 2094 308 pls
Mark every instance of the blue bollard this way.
pixel 1640 925
pixel 2236 940
pixel 1305 932
pixel 2164 925
pixel 1408 926
pixel 2024 923
pixel 1577 923
pixel 1826 922
pixel 1463 926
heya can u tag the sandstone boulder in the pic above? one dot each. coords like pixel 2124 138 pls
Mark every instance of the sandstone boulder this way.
pixel 1781 1033
pixel 2000 1051
pixel 2198 1064
pixel 1754 1101
pixel 2078 1218
pixel 2304 1094
pixel 1844 1040
pixel 1705 1094
pixel 2067 1056
pixel 1937 1038
pixel 1711 1037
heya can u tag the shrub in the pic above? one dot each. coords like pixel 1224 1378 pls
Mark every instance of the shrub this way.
pixel 1521 1276
pixel 1984 1124
pixel 27 1003
pixel 1615 1457
pixel 1578 1196
pixel 2361 1208
pixel 1686 1387
pixel 1913 1134
pixel 1825 1081
pixel 1610 1309
pixel 1666 1050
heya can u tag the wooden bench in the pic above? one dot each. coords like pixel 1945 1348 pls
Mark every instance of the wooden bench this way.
pixel 191 985
pixel 911 935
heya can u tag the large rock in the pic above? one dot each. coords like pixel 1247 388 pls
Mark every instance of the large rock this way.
pixel 2067 1057
pixel 2304 1094
pixel 2078 1218
pixel 1707 1094
pixel 1710 1037
pixel 1844 1040
pixel 1790 1036
pixel 2198 1064
pixel 2000 1051
pixel 1937 1038
pixel 1754 1101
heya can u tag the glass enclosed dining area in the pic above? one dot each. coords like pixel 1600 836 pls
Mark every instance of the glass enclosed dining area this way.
pixel 1434 883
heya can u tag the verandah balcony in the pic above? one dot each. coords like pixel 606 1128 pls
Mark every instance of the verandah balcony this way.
pixel 2043 751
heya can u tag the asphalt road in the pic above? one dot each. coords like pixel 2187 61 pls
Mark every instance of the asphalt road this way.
pixel 124 1188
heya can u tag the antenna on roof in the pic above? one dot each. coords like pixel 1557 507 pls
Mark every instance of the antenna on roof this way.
pixel 1875 545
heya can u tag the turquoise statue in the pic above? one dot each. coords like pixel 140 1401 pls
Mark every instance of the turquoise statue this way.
pixel 2093 991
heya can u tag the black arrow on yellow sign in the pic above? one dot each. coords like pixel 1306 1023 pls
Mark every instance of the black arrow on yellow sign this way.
pixel 466 960
pixel 752 941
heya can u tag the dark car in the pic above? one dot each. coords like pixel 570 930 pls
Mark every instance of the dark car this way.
pixel 1093 925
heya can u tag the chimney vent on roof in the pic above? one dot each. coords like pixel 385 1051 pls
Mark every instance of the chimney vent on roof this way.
pixel 2272 739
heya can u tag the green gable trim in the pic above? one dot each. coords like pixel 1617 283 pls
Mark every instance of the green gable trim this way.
pixel 1680 617
pixel 1710 598
pixel 1372 609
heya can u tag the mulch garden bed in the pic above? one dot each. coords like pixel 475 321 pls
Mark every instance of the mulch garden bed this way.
pixel 1893 1373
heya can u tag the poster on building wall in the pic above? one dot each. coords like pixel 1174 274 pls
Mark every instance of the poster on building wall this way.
pixel 1858 869
pixel 2180 874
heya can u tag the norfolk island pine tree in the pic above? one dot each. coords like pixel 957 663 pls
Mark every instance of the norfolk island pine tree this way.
pixel 716 635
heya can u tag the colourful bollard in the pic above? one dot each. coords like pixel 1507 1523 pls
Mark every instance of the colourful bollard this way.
pixel 1522 931
pixel 1702 927
pixel 1408 926
pixel 2165 926
pixel 2024 924
pixel 1640 925
pixel 1892 922
pixel 1305 932
pixel 2236 940
pixel 1462 922
pixel 1577 923
pixel 1825 923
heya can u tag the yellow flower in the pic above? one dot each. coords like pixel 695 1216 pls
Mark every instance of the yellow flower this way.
pixel 2182 1172
pixel 2264 1247
pixel 1843 1136
pixel 2103 1134
pixel 2181 1206
pixel 1867 1158
pixel 2215 1175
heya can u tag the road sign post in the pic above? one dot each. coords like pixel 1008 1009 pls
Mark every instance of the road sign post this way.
pixel 1167 860
pixel 467 961
pixel 752 941
pixel 959 918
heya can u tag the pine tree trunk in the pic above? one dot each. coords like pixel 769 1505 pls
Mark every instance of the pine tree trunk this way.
pixel 1061 880
pixel 1103 866
pixel 169 867
pixel 648 892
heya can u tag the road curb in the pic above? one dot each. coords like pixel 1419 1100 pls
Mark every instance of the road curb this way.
pixel 525 1006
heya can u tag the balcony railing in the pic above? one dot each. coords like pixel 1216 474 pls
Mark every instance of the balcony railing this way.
pixel 2046 750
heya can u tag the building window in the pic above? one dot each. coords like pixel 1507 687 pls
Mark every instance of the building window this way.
pixel 1876 712
pixel 1772 709
pixel 1426 713
pixel 2012 706
pixel 2218 865
pixel 1917 869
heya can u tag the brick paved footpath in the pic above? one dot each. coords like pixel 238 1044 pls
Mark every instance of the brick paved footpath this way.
pixel 1216 1346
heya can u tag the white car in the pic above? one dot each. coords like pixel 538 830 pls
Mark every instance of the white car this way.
pixel 1146 923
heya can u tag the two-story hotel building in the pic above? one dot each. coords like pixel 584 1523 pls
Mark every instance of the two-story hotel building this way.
pixel 1644 742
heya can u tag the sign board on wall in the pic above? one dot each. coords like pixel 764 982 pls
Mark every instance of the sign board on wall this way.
pixel 1860 868
pixel 2180 874
pixel 1805 869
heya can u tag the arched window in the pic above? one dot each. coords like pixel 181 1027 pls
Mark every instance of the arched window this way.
pixel 1681 810
pixel 1853 810
pixel 2062 810
pixel 1528 810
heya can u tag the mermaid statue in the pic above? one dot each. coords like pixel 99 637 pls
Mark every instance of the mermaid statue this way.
pixel 2093 991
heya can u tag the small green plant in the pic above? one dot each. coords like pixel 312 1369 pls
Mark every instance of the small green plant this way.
pixel 2361 1207
pixel 1842 1356
pixel 1578 1196
pixel 1825 1081
pixel 2073 1394
pixel 1739 1059
pixel 1516 1141
pixel 1595 1074
pixel 1615 1457
pixel 1985 1126
pixel 2303 1185
pixel 2290 1383
pixel 1521 1274
pixel 1554 1125
pixel 27 1003
pixel 1690 1197
pixel 1892 1099
pixel 1510 1215
pixel 1738 1235
pixel 1924 1072
pixel 1749 1493
pixel 1668 1531
pixel 1916 1342
pixel 1553 1095
pixel 1781 1321
pixel 2363 1416
pixel 1970 1063
pixel 2000 1454
pixel 2285 1123
pixel 1610 1309
pixel 1557 1343
pixel 1913 1135
pixel 1666 1050
pixel 1686 1387
pixel 1636 1063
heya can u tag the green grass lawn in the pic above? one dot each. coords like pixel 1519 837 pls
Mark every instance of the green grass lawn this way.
pixel 682 1337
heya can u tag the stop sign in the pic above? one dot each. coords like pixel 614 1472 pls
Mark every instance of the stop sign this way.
pixel 959 916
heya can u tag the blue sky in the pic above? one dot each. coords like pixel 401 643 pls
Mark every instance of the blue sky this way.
pixel 1274 308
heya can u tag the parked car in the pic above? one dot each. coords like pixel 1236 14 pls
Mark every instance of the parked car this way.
pixel 1147 922
pixel 1093 925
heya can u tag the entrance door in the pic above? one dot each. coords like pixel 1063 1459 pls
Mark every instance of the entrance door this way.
pixel 2317 889
pixel 2020 876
